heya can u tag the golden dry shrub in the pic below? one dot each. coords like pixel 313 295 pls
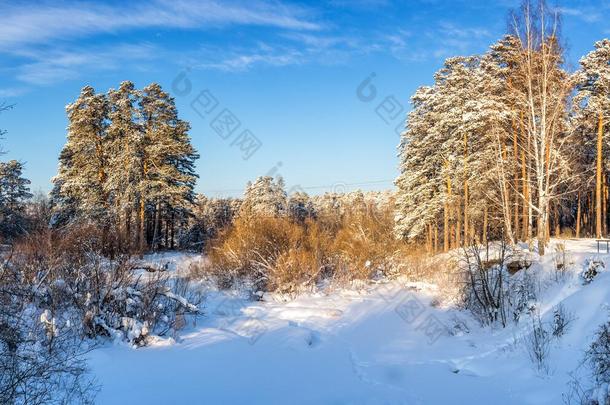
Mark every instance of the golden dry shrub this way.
pixel 278 254
pixel 366 245
pixel 250 250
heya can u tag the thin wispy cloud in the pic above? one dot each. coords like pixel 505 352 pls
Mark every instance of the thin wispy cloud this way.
pixel 586 14
pixel 11 92
pixel 441 41
pixel 43 23
pixel 288 49
pixel 362 4
pixel 48 67
pixel 45 41
pixel 55 41
pixel 242 60
pixel 450 30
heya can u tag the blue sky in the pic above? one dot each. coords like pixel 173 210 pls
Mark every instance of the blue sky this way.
pixel 290 73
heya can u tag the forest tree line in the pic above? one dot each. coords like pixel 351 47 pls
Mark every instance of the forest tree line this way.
pixel 508 144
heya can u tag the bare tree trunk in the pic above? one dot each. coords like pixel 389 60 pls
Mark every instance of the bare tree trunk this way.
pixel 128 236
pixel 485 219
pixel 503 182
pixel 155 243
pixel 557 223
pixel 525 198
pixel 605 205
pixel 171 241
pixel 517 196
pixel 458 221
pixel 598 179
pixel 142 225
pixel 465 189
pixel 446 217
pixel 578 216
pixel 166 233
pixel 542 218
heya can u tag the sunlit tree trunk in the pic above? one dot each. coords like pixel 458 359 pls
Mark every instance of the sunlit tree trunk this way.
pixel 578 214
pixel 446 215
pixel 598 179
pixel 466 241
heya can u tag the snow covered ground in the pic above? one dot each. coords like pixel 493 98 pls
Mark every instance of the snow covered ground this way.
pixel 383 343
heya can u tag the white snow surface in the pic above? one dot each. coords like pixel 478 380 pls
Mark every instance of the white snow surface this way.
pixel 357 346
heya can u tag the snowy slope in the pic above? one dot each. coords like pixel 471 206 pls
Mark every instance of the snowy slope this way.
pixel 383 343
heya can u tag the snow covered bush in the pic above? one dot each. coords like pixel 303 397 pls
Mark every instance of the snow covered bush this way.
pixel 521 293
pixel 116 297
pixel 36 368
pixel 592 268
pixel 120 305
pixel 593 386
pixel 41 353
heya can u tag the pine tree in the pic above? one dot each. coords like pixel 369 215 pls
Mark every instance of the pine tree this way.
pixel 79 184
pixel 210 216
pixel 592 109
pixel 300 207
pixel 422 195
pixel 128 159
pixel 14 192
pixel 435 155
pixel 169 161
pixel 264 197
pixel 125 150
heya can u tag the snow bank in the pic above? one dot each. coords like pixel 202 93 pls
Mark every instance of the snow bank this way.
pixel 385 343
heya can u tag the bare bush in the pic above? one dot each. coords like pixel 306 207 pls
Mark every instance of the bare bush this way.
pixel 561 261
pixel 538 344
pixel 562 319
pixel 490 292
pixel 485 289
pixel 598 355
pixel 57 289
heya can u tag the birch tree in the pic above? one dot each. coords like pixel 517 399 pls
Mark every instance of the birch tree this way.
pixel 545 93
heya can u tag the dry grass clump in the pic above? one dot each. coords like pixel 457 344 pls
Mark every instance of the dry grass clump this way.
pixel 286 256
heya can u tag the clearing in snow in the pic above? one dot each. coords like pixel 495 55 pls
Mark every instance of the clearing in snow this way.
pixel 385 342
